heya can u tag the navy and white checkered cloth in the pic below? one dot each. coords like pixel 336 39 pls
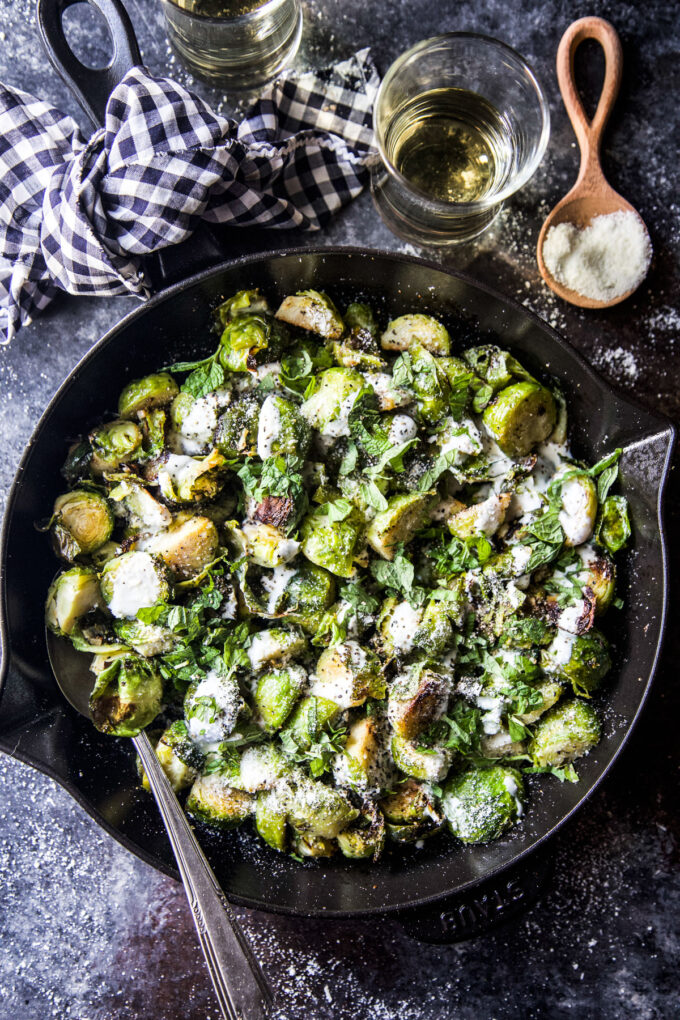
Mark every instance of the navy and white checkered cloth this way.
pixel 80 216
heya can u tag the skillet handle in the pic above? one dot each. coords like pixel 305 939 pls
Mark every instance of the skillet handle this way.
pixel 92 88
pixel 482 909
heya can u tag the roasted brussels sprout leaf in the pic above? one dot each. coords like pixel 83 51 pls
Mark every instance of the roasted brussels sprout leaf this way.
pixel 354 563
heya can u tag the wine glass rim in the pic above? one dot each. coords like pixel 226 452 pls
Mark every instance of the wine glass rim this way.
pixel 518 180
pixel 237 19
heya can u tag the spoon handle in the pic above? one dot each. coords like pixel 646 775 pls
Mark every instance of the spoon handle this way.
pixel 241 988
pixel 589 132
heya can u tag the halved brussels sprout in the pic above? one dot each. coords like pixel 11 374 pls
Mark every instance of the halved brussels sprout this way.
pixel 212 706
pixel 72 595
pixel 275 646
pixel 411 813
pixel 133 581
pixel 126 697
pixel 308 845
pixel 403 332
pixel 244 302
pixel 347 674
pixel 282 429
pixel 361 763
pixel 81 522
pixel 113 444
pixel 251 340
pixel 564 733
pixel 483 518
pixel 588 663
pixel 152 391
pixel 267 546
pixel 276 693
pixel 188 545
pixel 237 428
pixel 178 756
pixel 271 817
pixel 480 804
pixel 191 479
pixel 579 508
pixel 521 416
pixel 429 764
pixel 147 639
pixel 318 810
pixel 327 409
pixel 598 574
pixel 310 718
pixel 365 838
pixel 213 801
pixel 145 511
pixel 405 514
pixel 308 594
pixel 416 700
pixel 314 311
pixel 613 526
pixel 500 744
pixel 332 544
pixel 495 366
pixel 550 692
pixel 256 768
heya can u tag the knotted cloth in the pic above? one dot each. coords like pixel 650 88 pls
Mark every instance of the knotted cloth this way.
pixel 80 216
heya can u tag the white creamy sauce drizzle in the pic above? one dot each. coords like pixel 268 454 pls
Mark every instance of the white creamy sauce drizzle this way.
pixel 269 427
pixel 576 517
pixel 403 625
pixel 559 650
pixel 227 702
pixel 136 585
pixel 402 429
pixel 275 584
pixel 339 424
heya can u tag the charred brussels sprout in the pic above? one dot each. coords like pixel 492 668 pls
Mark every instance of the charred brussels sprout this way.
pixel 113 444
pixel 564 733
pixel 282 429
pixel 404 515
pixel 82 521
pixel 237 429
pixel 481 804
pixel 498 368
pixel 598 574
pixel 72 595
pixel 276 694
pixel 483 518
pixel 314 311
pixel 143 511
pixel 133 581
pixel 332 544
pixel 191 479
pixel 407 330
pixel 427 763
pixel 365 838
pixel 267 546
pixel 416 701
pixel 213 801
pixel 188 545
pixel 410 813
pixel 361 763
pixel 521 416
pixel 141 394
pixel 348 674
pixel 126 697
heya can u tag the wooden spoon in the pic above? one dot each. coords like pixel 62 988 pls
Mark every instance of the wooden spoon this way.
pixel 592 195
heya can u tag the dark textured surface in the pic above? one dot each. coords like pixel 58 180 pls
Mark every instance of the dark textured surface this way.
pixel 86 930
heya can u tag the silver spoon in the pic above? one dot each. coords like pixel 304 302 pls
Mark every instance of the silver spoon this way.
pixel 242 990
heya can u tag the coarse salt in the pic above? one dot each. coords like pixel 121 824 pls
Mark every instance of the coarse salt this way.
pixel 602 261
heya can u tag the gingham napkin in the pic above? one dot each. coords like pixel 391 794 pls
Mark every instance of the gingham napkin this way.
pixel 79 216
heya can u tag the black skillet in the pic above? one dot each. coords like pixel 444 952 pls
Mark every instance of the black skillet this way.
pixel 443 891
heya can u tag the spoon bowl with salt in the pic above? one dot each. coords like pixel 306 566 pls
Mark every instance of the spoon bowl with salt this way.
pixel 594 248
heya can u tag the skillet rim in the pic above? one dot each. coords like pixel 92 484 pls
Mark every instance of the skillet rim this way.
pixel 666 428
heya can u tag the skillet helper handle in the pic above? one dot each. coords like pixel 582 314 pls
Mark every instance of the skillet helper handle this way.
pixel 240 985
pixel 589 132
pixel 92 88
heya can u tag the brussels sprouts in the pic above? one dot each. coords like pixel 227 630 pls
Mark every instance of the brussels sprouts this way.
pixel 329 405
pixel 407 330
pixel 314 311
pixel 113 444
pixel 405 514
pixel 180 408
pixel 579 507
pixel 588 663
pixel 271 815
pixel 480 804
pixel 613 528
pixel 429 385
pixel 237 429
pixel 388 395
pixel 126 697
pixel 212 800
pixel 151 391
pixel 191 479
pixel 310 718
pixel 332 544
pixel 147 639
pixel 550 692
pixel 348 674
pixel 276 694
pixel 403 628
pixel 564 733
pixel 132 582
pixel 212 707
pixel 251 340
pixel 308 594
pixel 145 512
pixel 500 744
pixel 244 302
pixel 318 810
pixel 364 839
pixel 360 765
pixel 275 646
pixel 188 545
pixel 179 758
pixel 483 518
pixel 308 845
pixel 598 574
pixel 256 768
pixel 266 546
pixel 72 595
pixel 495 366
pixel 282 429
pixel 429 764
pixel 81 522
pixel 410 813
pixel 521 416
pixel 416 700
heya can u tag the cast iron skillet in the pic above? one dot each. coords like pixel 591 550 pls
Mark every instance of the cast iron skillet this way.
pixel 39 727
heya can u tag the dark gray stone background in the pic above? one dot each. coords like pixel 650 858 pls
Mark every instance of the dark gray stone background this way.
pixel 89 932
